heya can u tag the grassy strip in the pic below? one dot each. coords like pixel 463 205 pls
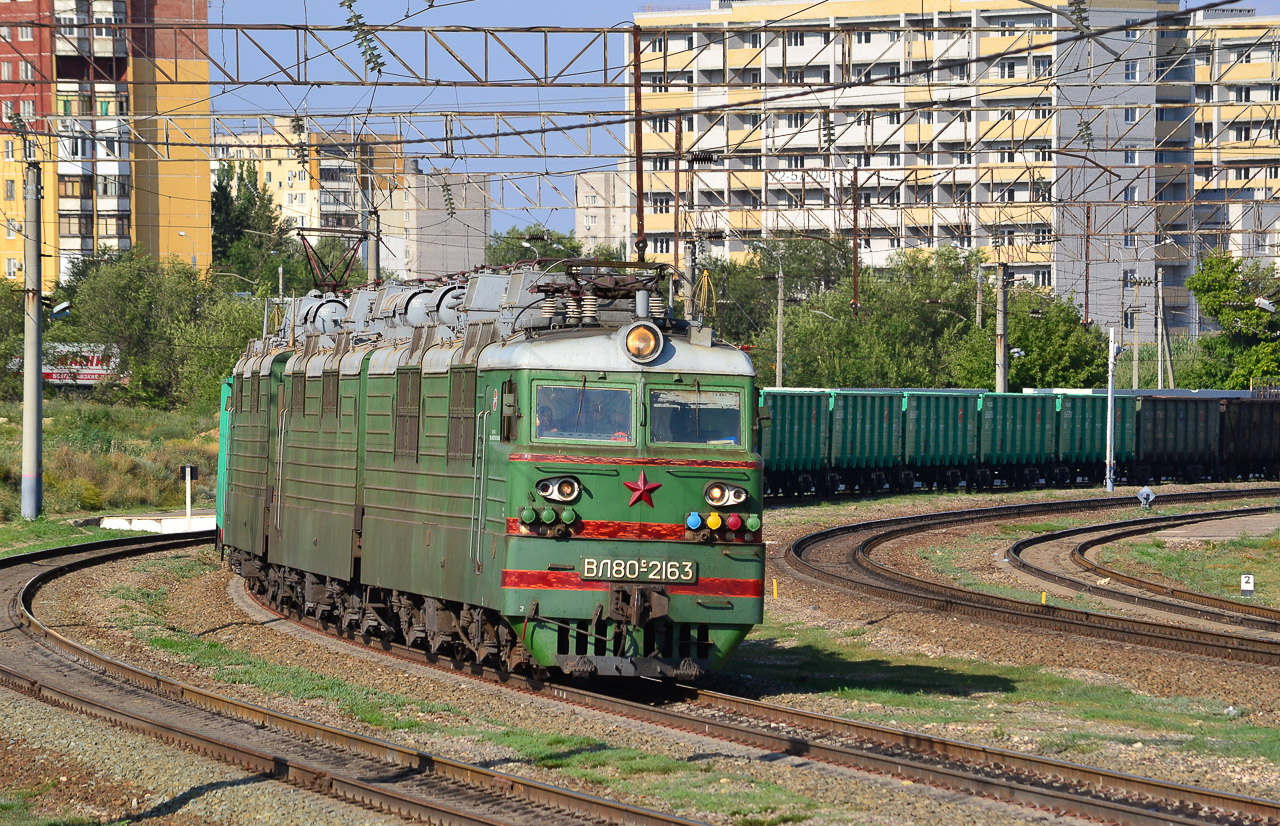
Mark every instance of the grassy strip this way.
pixel 15 809
pixel 1212 567
pixel 922 691
pixel 39 534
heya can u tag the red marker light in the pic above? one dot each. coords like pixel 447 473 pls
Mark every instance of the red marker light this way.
pixel 734 522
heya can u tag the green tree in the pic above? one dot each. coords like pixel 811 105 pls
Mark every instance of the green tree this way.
pixel 250 234
pixel 1248 346
pixel 1058 350
pixel 912 317
pixel 137 304
pixel 506 247
pixel 208 346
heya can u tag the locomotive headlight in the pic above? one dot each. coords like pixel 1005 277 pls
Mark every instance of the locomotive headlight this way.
pixel 643 342
pixel 559 489
pixel 721 494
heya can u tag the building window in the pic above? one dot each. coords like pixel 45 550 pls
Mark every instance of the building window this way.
pixel 1002 237
pixel 1043 235
pixel 24 33
pixel 662 246
pixel 113 186
pixel 660 124
pixel 1130 194
pixel 26 71
pixel 1131 114
pixel 1041 278
pixel 113 226
pixel 964 158
pixel 1242 133
pixel 1131 156
pixel 862 38
pixel 1006 28
pixel 1131 33
pixel 1041 65
pixel 753 162
pixel 1241 94
pixel 660 164
pixel 751 40
pixel 661 204
pixel 795 38
pixel 793 120
pixel 658 44
pixel 1007 69
pixel 895 118
pixel 795 161
pixel 1130 319
pixel 11 267
pixel 1244 56
pixel 1128 276
pixel 1243 173
pixel 27 108
pixel 1131 71
pixel 1043 155
pixel 1130 239
pixel 795 77
pixel 73 224
pixel 1005 156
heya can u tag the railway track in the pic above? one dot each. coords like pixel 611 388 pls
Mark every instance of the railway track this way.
pixel 42 663
pixel 1168 599
pixel 860 572
pixel 1011 776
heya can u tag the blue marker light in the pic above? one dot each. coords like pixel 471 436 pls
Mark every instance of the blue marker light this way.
pixel 694 521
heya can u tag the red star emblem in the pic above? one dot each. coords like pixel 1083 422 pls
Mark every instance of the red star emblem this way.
pixel 640 490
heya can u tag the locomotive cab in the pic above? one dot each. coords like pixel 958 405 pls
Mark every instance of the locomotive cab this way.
pixel 634 505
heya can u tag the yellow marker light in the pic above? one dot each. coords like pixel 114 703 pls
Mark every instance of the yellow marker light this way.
pixel 643 342
pixel 713 522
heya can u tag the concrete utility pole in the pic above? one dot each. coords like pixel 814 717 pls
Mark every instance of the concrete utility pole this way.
pixel 32 366
pixel 977 316
pixel 1002 329
pixel 777 367
pixel 1111 409
pixel 375 247
pixel 1136 286
pixel 1159 328
pixel 1165 349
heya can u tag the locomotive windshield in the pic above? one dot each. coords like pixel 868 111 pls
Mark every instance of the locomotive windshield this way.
pixel 708 417
pixel 591 413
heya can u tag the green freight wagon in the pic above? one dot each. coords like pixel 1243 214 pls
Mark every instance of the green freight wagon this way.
pixel 866 439
pixel 1082 434
pixel 796 446
pixel 1250 439
pixel 1177 439
pixel 940 436
pixel 1018 439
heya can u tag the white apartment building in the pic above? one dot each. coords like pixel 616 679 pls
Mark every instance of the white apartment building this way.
pixel 1070 162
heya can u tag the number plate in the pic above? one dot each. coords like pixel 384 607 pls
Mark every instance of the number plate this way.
pixel 639 570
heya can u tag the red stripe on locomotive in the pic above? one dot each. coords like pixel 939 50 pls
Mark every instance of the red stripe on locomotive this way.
pixel 570 581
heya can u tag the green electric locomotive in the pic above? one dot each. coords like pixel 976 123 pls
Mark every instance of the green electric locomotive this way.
pixel 534 467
